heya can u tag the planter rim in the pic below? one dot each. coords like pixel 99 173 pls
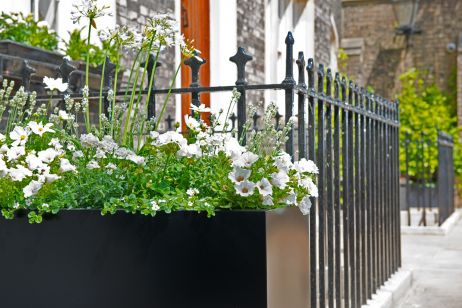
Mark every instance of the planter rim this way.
pixel 56 53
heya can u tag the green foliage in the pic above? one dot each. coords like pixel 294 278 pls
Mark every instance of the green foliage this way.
pixel 424 110
pixel 24 29
pixel 76 48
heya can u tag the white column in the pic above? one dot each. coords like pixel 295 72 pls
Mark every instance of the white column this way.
pixel 15 6
pixel 223 44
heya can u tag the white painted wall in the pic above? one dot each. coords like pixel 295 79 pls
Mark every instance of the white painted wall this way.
pixel 10 6
pixel 223 44
pixel 276 28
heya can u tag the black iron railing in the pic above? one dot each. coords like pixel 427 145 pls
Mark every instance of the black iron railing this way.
pixel 353 136
pixel 428 187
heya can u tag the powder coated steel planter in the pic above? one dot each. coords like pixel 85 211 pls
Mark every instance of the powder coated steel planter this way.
pixel 82 259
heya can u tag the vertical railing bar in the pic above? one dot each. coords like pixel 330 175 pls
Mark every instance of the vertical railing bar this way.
pixel 381 185
pixel 313 212
pixel 330 194
pixel 321 187
pixel 368 144
pixel 301 106
pixel 357 176
pixel 351 199
pixel 337 187
pixel 289 92
pixel 362 173
pixel 373 185
pixel 398 169
pixel 345 194
pixel 387 194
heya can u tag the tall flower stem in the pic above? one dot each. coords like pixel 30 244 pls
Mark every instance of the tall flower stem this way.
pixel 164 105
pixel 132 98
pixel 151 82
pixel 115 91
pixel 100 110
pixel 131 73
pixel 87 69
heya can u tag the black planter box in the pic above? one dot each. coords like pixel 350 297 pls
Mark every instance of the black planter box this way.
pixel 82 259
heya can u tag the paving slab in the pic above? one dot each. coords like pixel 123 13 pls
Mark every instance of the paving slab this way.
pixel 436 264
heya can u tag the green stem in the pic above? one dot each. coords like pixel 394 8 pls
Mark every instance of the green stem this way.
pixel 127 126
pixel 151 82
pixel 131 73
pixel 130 105
pixel 100 111
pixel 115 91
pixel 164 105
pixel 87 69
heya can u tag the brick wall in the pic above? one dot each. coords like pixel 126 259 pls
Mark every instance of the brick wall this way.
pixel 324 9
pixel 135 12
pixel 386 55
pixel 251 36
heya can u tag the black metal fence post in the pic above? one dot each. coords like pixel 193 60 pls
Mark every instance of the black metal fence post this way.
pixel 289 83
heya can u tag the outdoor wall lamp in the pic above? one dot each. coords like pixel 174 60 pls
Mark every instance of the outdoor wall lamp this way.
pixel 406 11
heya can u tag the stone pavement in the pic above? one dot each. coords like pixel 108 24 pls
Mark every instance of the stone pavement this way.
pixel 436 264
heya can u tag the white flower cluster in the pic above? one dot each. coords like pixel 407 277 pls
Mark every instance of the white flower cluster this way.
pixel 88 9
pixel 21 164
pixel 104 148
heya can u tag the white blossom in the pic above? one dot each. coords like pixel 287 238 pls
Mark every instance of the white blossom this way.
pixel 77 154
pixel 89 140
pixel 19 173
pixel 268 200
pixel 19 135
pixel 291 198
pixel 88 9
pixel 283 162
pixel 264 187
pixel 245 188
pixel 246 160
pixel 200 109
pixel 63 115
pixel 304 165
pixel 279 179
pixel 66 166
pixel 239 175
pixel 139 160
pixel 192 191
pixel 305 205
pixel 15 152
pixel 192 123
pixel 2 138
pixel 154 206
pixel 39 128
pixel 93 164
pixel 55 84
pixel 32 188
pixel 48 155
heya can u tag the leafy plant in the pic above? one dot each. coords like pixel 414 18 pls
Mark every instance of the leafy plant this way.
pixel 76 48
pixel 424 109
pixel 24 29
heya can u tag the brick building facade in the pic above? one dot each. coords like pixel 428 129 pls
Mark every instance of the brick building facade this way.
pixel 378 56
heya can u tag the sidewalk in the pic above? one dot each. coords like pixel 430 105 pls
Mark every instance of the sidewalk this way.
pixel 436 264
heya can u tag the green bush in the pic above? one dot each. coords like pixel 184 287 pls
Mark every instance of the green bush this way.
pixel 76 48
pixel 424 108
pixel 24 29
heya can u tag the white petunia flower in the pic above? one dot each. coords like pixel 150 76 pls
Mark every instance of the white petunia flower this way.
pixel 246 160
pixel 283 162
pixel 245 188
pixel 19 135
pixel 55 84
pixel 4 149
pixel 48 155
pixel 279 179
pixel 2 138
pixel 3 168
pixel 66 166
pixel 306 166
pixel 48 177
pixel 291 198
pixel 19 173
pixel 42 24
pixel 200 109
pixel 93 164
pixel 267 200
pixel 170 137
pixel 305 205
pixel 32 188
pixel 33 162
pixel 239 175
pixel 192 123
pixel 15 152
pixel 189 150
pixel 264 187
pixel 39 128
pixel 56 144
pixel 110 168
pixel 232 148
pixel 77 154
